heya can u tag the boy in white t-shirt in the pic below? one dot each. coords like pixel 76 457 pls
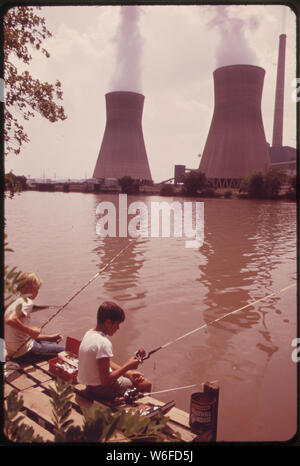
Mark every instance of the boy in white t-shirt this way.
pixel 102 376
pixel 25 343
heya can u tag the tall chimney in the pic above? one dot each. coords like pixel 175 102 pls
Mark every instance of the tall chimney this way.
pixel 123 151
pixel 236 145
pixel 279 96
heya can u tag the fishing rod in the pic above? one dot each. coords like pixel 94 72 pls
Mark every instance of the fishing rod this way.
pixel 132 394
pixel 60 308
pixel 141 353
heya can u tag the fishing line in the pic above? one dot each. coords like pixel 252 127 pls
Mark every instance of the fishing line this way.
pixel 179 388
pixel 78 292
pixel 218 319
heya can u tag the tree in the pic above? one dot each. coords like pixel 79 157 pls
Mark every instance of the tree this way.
pixel 263 185
pixel 274 179
pixel 25 95
pixel 129 185
pixel 256 186
pixel 167 190
pixel 195 183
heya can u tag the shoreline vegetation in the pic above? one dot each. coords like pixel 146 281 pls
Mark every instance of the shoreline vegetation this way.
pixel 272 185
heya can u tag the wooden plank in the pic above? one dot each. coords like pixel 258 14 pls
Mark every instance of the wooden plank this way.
pixel 175 414
pixel 37 380
pixel 7 389
pixel 38 374
pixel 39 403
pixel 21 381
pixel 38 430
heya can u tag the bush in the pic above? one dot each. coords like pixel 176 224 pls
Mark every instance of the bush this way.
pixel 195 183
pixel 228 194
pixel 167 190
pixel 263 186
pixel 256 186
pixel 274 179
pixel 100 423
pixel 129 185
pixel 209 192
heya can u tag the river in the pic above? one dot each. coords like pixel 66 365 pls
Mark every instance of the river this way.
pixel 167 290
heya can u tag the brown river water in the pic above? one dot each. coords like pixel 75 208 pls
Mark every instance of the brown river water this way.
pixel 167 290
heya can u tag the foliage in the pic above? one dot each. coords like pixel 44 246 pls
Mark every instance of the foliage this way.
pixel 100 424
pixel 274 179
pixel 167 190
pixel 263 185
pixel 12 278
pixel 228 194
pixel 25 95
pixel 195 183
pixel 14 430
pixel 14 184
pixel 256 186
pixel 62 407
pixel 129 185
pixel 292 191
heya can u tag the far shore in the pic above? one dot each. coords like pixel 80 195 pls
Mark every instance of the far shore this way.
pixel 154 190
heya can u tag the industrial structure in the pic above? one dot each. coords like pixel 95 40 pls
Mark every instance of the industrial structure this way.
pixel 282 156
pixel 236 144
pixel 123 151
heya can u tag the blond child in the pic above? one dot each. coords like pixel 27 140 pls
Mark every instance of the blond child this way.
pixel 25 343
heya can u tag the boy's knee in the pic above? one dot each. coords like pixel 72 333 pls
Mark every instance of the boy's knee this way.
pixel 145 386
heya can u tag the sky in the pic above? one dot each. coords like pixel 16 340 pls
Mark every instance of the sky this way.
pixel 166 52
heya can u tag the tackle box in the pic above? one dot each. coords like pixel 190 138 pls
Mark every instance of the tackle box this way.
pixel 65 364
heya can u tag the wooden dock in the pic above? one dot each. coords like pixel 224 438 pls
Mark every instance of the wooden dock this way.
pixel 33 382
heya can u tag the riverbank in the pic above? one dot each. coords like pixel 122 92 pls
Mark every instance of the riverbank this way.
pixel 165 190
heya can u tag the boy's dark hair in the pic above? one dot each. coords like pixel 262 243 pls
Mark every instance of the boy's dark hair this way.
pixel 110 311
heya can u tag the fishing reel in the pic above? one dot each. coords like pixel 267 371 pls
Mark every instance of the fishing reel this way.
pixel 140 355
pixel 131 395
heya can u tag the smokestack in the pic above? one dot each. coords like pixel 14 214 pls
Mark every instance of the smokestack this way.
pixel 123 151
pixel 236 143
pixel 279 96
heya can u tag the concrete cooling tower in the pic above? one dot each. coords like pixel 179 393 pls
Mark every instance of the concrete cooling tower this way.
pixel 123 151
pixel 236 143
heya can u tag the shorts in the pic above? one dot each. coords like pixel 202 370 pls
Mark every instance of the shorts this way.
pixel 118 388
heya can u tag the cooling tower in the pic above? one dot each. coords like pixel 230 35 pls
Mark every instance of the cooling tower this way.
pixel 279 95
pixel 236 143
pixel 123 151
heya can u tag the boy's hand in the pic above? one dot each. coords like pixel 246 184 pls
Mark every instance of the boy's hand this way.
pixel 132 363
pixel 135 376
pixel 56 337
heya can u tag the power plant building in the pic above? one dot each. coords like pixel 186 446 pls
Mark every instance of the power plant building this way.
pixel 236 144
pixel 123 151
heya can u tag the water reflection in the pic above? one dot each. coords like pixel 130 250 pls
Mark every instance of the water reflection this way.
pixel 121 279
pixel 240 261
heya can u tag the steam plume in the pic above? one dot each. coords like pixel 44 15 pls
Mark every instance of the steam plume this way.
pixel 233 48
pixel 127 74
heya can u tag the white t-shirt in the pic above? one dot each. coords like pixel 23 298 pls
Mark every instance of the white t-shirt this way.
pixel 14 338
pixel 94 345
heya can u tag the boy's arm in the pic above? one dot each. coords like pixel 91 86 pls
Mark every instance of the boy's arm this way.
pixel 38 308
pixel 15 322
pixel 108 377
pixel 133 375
